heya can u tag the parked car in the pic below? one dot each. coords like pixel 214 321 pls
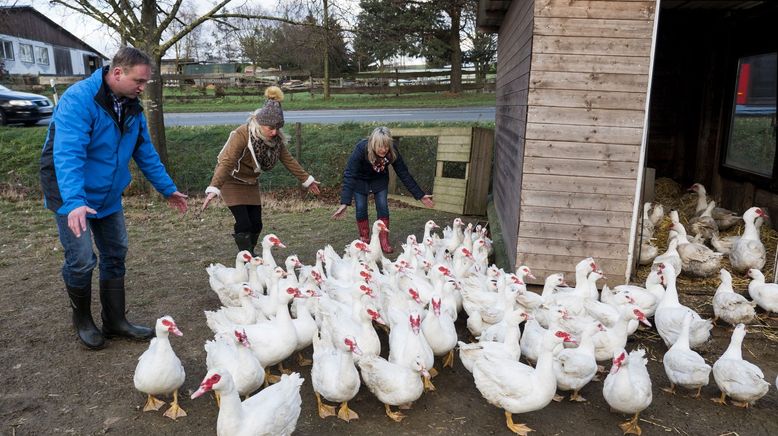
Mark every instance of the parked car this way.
pixel 22 107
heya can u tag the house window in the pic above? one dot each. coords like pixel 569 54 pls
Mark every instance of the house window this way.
pixel 751 146
pixel 25 53
pixel 42 55
pixel 6 50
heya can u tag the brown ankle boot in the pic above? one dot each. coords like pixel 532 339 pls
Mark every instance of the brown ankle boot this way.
pixel 384 238
pixel 364 230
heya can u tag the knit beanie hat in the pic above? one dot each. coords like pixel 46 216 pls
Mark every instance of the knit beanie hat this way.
pixel 271 114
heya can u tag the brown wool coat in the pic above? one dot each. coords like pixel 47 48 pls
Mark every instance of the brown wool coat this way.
pixel 237 171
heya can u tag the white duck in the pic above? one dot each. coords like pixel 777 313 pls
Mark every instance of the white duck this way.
pixel 684 366
pixel 724 218
pixel 627 388
pixel 704 226
pixel 748 251
pixel 764 294
pixel 233 353
pixel 407 343
pixel 509 348
pixel 159 371
pixel 670 313
pixel 516 387
pixel 439 331
pixel 347 267
pixel 375 254
pixel 269 242
pixel 220 275
pixel 574 368
pixel 356 321
pixel 730 306
pixel 610 340
pixel 243 314
pixel 271 412
pixel 272 341
pixel 698 260
pixel 740 380
pixel 305 326
pixel 645 298
pixel 334 375
pixel 670 256
pixel 393 384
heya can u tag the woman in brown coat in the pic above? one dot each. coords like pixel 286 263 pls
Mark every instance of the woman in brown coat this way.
pixel 251 149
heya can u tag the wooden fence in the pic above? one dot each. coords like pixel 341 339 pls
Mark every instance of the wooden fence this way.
pixel 471 146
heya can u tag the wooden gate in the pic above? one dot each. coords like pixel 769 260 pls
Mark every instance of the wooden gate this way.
pixel 471 146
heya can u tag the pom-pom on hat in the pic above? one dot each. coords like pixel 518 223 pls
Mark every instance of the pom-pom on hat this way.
pixel 271 114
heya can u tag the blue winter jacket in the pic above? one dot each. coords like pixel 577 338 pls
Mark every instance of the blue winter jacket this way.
pixel 86 156
pixel 359 175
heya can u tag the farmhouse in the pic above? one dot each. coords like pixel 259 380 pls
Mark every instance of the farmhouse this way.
pixel 33 44
pixel 596 98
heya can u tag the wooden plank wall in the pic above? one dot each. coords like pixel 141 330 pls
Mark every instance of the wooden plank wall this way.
pixel 514 48
pixel 480 164
pixel 586 105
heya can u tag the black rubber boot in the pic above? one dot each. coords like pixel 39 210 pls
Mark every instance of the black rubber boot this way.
pixel 246 241
pixel 114 321
pixel 254 240
pixel 81 302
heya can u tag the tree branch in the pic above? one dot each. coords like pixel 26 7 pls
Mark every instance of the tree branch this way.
pixel 183 32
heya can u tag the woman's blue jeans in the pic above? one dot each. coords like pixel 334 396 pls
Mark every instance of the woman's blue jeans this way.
pixel 381 204
pixel 109 235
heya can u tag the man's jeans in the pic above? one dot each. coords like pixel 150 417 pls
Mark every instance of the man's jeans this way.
pixel 110 237
pixel 381 204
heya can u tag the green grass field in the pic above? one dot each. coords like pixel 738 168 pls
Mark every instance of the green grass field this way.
pixel 302 101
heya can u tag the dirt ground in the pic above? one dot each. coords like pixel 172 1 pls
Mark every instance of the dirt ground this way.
pixel 51 385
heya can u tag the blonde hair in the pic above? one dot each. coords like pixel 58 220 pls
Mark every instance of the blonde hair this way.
pixel 256 132
pixel 381 136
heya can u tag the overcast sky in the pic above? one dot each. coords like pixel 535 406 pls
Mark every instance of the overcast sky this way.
pixel 94 34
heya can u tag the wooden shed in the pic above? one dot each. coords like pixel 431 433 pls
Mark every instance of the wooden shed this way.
pixel 591 93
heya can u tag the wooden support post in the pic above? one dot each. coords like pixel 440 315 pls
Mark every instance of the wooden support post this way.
pixel 298 140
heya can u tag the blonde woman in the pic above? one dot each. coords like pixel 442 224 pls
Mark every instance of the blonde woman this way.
pixel 368 171
pixel 251 149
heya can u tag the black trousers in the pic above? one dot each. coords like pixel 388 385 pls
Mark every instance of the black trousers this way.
pixel 248 218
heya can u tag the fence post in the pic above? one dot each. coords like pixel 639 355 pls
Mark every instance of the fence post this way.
pixel 396 81
pixel 298 139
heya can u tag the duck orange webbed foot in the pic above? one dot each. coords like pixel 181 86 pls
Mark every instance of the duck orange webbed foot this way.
pixel 631 426
pixel 175 411
pixel 448 361
pixel 347 414
pixel 518 428
pixel 153 403
pixel 325 410
pixel 395 416
pixel 720 400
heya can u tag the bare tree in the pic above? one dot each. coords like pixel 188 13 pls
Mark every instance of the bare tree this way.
pixel 144 24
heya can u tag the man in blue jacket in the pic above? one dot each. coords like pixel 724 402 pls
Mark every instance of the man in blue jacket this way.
pixel 97 127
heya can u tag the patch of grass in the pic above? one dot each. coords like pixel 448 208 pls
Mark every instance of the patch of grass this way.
pixel 192 155
pixel 300 101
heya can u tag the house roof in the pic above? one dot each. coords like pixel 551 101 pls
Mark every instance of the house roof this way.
pixel 9 25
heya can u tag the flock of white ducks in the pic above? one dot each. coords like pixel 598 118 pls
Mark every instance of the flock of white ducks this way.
pixel 270 313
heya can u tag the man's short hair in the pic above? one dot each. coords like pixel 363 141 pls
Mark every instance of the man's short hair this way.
pixel 128 57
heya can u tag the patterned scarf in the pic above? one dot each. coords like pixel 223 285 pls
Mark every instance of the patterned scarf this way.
pixel 380 164
pixel 267 152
